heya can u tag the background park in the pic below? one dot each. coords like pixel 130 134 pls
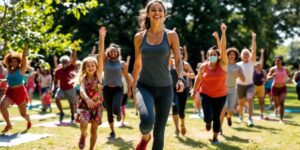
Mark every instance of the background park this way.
pixel 52 27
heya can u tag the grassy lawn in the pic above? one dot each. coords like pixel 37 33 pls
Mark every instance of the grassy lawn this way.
pixel 264 135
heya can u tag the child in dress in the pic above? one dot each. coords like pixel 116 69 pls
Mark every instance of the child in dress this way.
pixel 90 101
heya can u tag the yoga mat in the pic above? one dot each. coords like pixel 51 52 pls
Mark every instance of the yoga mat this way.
pixel 54 124
pixel 35 117
pixel 116 124
pixel 19 138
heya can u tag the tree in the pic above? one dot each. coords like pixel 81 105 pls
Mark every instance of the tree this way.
pixel 32 22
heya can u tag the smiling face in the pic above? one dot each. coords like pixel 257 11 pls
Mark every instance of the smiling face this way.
pixel 231 56
pixel 156 12
pixel 90 67
pixel 245 56
pixel 14 63
pixel 278 61
pixel 113 53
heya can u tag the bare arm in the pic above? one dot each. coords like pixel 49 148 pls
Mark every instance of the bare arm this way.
pixel 271 74
pixel 186 57
pixel 188 71
pixel 102 34
pixel 253 57
pixel 24 60
pixel 202 56
pixel 223 54
pixel 198 79
pixel 261 59
pixel 126 75
pixel 138 58
pixel 73 57
pixel 216 35
pixel 176 51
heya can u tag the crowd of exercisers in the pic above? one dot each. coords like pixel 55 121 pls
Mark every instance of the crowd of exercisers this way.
pixel 226 83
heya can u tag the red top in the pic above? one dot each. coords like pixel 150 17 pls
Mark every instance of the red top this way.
pixel 213 82
pixel 63 75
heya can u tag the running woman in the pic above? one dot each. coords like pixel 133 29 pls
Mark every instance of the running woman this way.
pixel 212 81
pixel 259 77
pixel 233 72
pixel 16 65
pixel 279 90
pixel 152 82
pixel 112 81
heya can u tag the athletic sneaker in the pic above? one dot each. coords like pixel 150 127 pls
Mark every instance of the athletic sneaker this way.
pixel 250 123
pixel 215 141
pixel 229 122
pixel 142 144
pixel 72 119
pixel 240 119
pixel 81 143
pixel 61 116
pixel 112 135
pixel 119 117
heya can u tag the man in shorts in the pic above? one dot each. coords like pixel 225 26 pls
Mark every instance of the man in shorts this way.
pixel 66 90
pixel 246 88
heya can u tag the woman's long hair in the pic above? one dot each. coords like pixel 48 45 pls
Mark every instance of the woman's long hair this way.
pixel 143 20
pixel 81 74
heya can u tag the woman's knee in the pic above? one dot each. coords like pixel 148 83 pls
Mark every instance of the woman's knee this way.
pixel 146 125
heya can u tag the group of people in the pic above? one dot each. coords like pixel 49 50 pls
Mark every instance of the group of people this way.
pixel 161 81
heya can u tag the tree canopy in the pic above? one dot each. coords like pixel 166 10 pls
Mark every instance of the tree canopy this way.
pixel 52 26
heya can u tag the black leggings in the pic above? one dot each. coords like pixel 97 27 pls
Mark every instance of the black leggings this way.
pixel 179 102
pixel 212 108
pixel 124 100
pixel 298 91
pixel 112 99
pixel 154 105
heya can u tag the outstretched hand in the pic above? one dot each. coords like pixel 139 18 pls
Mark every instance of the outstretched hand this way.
pixel 223 27
pixel 215 34
pixel 102 32
pixel 253 35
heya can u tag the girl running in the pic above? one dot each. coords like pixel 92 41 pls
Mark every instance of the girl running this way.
pixel 45 81
pixel 16 65
pixel 90 106
pixel 30 84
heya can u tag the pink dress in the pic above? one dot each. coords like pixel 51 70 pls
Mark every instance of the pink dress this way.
pixel 94 92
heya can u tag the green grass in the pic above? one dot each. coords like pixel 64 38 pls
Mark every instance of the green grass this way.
pixel 264 135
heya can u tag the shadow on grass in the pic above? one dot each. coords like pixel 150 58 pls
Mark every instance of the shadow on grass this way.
pixel 292 123
pixel 119 142
pixel 10 137
pixel 266 128
pixel 236 139
pixel 126 127
pixel 245 129
pixel 191 142
pixel 226 146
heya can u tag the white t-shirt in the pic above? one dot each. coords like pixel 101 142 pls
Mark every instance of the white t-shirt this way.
pixel 248 70
pixel 45 80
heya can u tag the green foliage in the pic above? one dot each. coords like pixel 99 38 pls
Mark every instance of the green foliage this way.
pixel 32 22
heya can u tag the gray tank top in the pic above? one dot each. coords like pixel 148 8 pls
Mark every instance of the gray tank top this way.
pixel 113 73
pixel 155 60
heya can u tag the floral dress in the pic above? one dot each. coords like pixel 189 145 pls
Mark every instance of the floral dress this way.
pixel 93 91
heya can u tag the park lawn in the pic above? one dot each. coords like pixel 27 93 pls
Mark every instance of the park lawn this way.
pixel 264 135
